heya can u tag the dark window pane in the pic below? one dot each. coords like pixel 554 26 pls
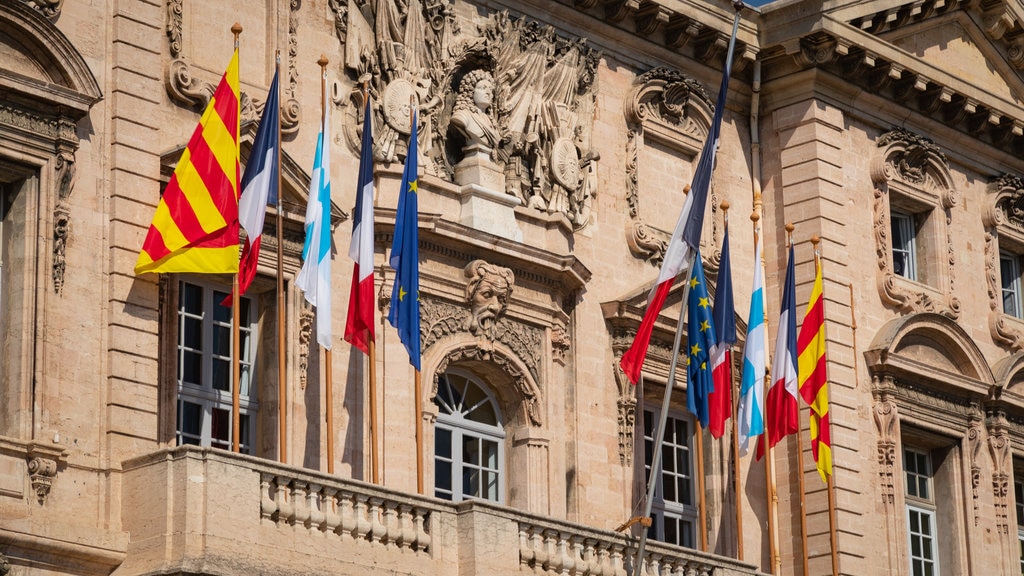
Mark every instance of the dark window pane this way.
pixel 191 368
pixel 221 313
pixel 244 439
pixel 190 417
pixel 222 341
pixel 243 311
pixel 672 530
pixel 470 482
pixel 192 333
pixel 220 428
pixel 443 443
pixel 222 375
pixel 191 298
pixel 471 450
pixel 443 476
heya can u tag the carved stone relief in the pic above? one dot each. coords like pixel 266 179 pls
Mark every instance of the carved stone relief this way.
pixel 886 417
pixel 65 168
pixel 667 105
pixel 488 289
pixel 306 316
pixel 527 390
pixel 1004 221
pixel 912 167
pixel 540 116
pixel 974 448
pixel 185 87
pixel 42 471
pixel 50 9
pixel 1000 450
pixel 626 404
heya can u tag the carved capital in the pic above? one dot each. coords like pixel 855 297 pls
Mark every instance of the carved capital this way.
pixel 42 470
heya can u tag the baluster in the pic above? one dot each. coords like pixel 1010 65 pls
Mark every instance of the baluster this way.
pixel 285 510
pixel 408 537
pixel 299 502
pixel 526 554
pixel 604 561
pixel 363 526
pixel 392 531
pixel 618 561
pixel 331 518
pixel 267 505
pixel 315 504
pixel 377 528
pixel 539 550
pixel 550 549
pixel 421 522
pixel 349 515
pixel 588 557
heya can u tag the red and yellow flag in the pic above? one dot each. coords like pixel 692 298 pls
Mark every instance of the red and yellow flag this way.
pixel 813 378
pixel 195 228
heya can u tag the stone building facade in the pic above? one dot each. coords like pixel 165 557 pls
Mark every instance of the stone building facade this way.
pixel 555 141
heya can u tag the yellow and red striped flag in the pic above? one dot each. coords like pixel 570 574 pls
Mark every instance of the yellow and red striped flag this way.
pixel 813 377
pixel 195 228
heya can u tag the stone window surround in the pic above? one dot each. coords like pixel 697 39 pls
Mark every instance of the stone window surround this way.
pixel 911 175
pixel 1004 233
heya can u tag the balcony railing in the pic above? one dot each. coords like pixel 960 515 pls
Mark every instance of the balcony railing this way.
pixel 205 511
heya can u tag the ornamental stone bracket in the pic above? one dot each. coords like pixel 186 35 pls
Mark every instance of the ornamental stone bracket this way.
pixel 50 9
pixel 626 405
pixel 886 417
pixel 1004 230
pixel 1001 453
pixel 667 107
pixel 911 172
pixel 185 87
pixel 65 168
pixel 974 451
pixel 42 462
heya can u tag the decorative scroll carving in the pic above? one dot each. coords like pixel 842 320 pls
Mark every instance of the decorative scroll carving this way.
pixel 1004 219
pixel 1000 450
pixel 886 417
pixel 186 88
pixel 626 404
pixel 306 316
pixel 65 168
pixel 42 471
pixel 55 127
pixel 488 290
pixel 920 172
pixel 974 447
pixel 50 9
pixel 528 392
pixel 675 108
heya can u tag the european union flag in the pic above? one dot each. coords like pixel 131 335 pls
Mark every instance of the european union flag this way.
pixel 700 337
pixel 404 314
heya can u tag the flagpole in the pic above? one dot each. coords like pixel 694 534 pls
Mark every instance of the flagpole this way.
pixel 829 484
pixel 702 521
pixel 236 417
pixel 652 482
pixel 328 368
pixel 769 482
pixel 735 430
pixel 417 380
pixel 800 460
pixel 372 361
pixel 282 390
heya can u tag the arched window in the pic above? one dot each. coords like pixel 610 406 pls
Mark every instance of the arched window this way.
pixel 469 441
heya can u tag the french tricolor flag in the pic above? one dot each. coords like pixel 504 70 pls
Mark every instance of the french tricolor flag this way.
pixel 259 187
pixel 359 325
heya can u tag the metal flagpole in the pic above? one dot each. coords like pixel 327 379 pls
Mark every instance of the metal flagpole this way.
pixel 666 400
pixel 800 462
pixel 282 390
pixel 236 417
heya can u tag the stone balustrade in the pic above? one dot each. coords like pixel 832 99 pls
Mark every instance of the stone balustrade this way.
pixel 206 511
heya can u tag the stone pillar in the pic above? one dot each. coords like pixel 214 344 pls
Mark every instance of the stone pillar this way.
pixel 485 205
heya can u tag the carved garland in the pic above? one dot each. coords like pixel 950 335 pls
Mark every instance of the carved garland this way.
pixel 886 417
pixel 974 447
pixel 529 393
pixel 1004 218
pixel 679 109
pixel 184 87
pixel 626 405
pixel 918 166
pixel 306 316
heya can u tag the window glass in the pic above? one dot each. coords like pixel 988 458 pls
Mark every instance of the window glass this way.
pixel 918 472
pixel 904 257
pixel 1009 269
pixel 673 514
pixel 204 368
pixel 468 440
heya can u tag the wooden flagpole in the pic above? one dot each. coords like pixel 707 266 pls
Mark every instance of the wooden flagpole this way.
pixel 372 360
pixel 734 396
pixel 417 381
pixel 282 383
pixel 236 418
pixel 328 368
pixel 769 482
pixel 800 459
pixel 702 520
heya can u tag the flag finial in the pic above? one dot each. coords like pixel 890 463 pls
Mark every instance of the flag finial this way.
pixel 236 30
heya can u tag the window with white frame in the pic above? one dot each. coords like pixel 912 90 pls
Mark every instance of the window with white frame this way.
pixel 1010 273
pixel 204 367
pixel 921 525
pixel 673 513
pixel 469 440
pixel 904 245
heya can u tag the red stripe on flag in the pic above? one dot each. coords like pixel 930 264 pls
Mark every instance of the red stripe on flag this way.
pixel 359 326
pixel 219 184
pixel 632 361
pixel 720 400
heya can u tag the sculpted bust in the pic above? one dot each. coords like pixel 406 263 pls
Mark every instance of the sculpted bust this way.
pixel 471 114
pixel 487 293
